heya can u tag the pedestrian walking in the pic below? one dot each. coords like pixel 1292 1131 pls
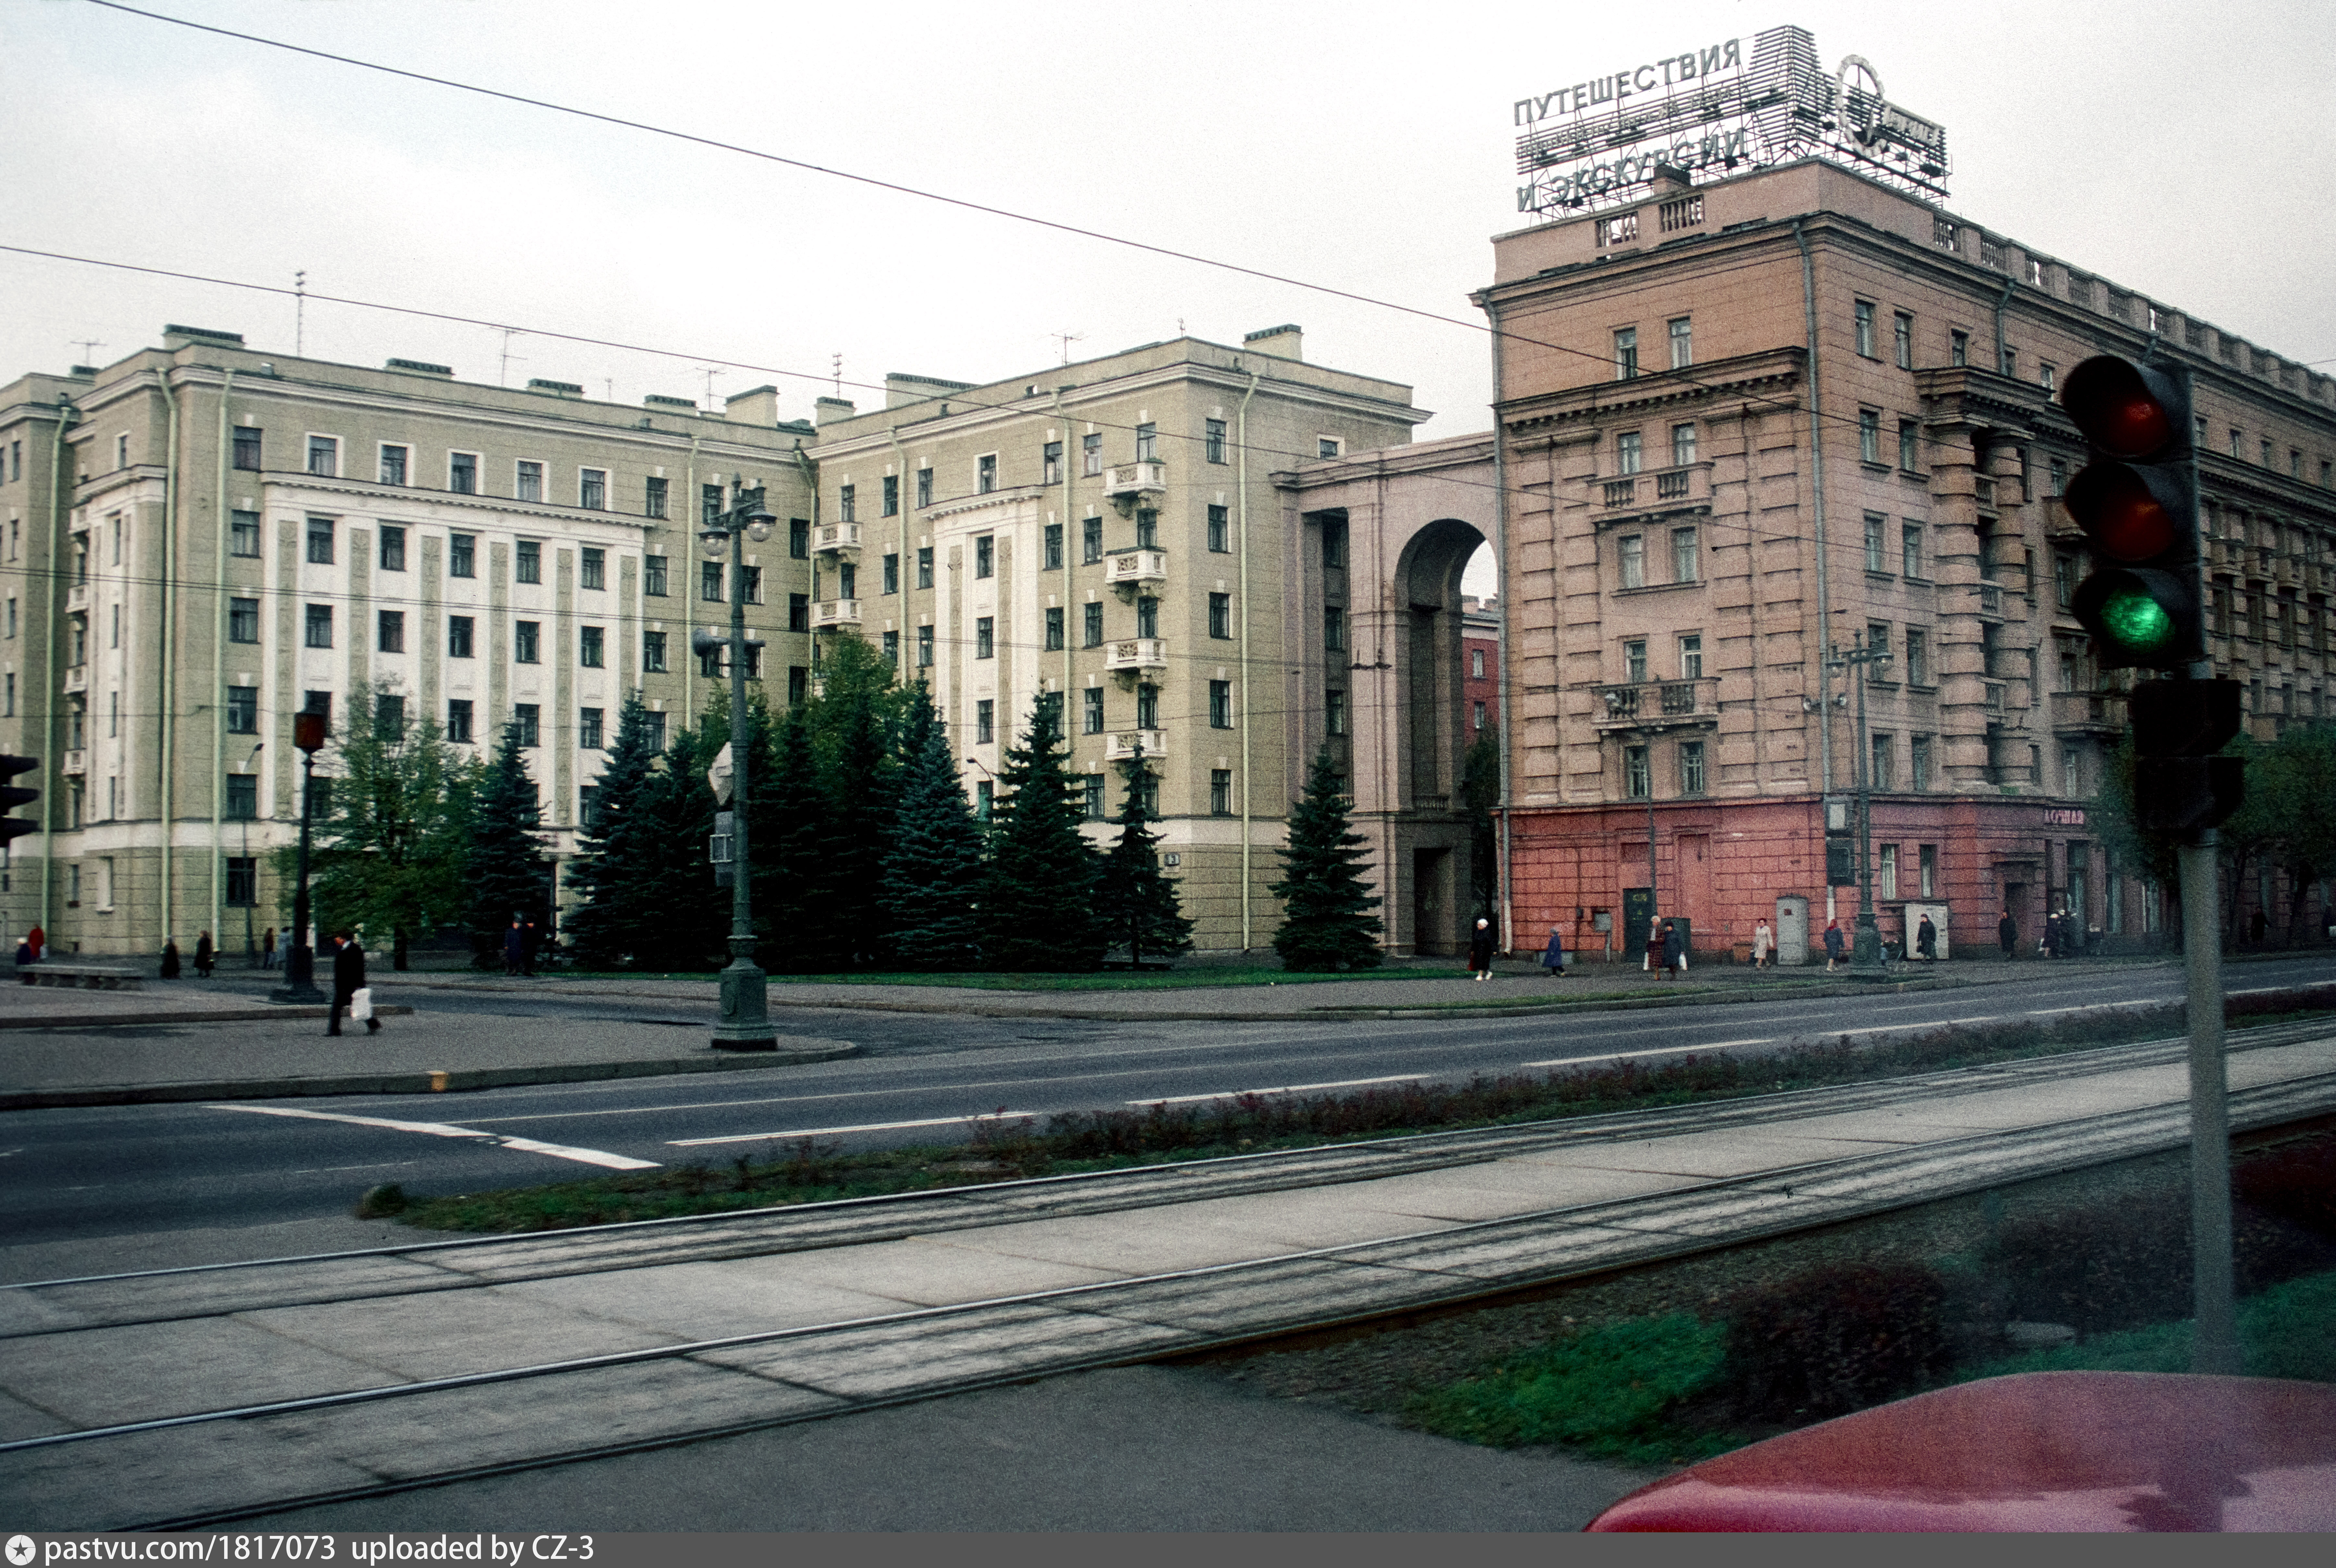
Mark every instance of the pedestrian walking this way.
pixel 1654 945
pixel 1674 950
pixel 24 959
pixel 1479 949
pixel 203 955
pixel 515 948
pixel 1926 941
pixel 1764 946
pixel 1835 944
pixel 348 980
pixel 267 948
pixel 2007 931
pixel 1553 958
pixel 171 957
pixel 33 939
pixel 529 940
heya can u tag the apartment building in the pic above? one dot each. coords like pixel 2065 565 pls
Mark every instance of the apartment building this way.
pixel 1753 423
pixel 1105 535
pixel 202 539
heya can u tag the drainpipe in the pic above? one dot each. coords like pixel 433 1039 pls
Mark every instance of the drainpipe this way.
pixel 2000 301
pixel 219 673
pixel 1816 499
pixel 52 773
pixel 903 566
pixel 1501 631
pixel 170 631
pixel 1064 415
pixel 1240 479
pixel 689 503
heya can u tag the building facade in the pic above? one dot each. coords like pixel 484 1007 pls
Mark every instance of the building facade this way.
pixel 202 539
pixel 1753 424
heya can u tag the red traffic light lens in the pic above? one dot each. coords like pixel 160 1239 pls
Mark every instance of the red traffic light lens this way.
pixel 2117 408
pixel 2113 506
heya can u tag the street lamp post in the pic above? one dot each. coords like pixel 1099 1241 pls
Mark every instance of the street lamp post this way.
pixel 300 954
pixel 746 1023
pixel 1865 945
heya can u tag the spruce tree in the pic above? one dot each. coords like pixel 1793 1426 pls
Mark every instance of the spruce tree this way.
pixel 686 916
pixel 508 873
pixel 1038 912
pixel 933 868
pixel 1137 906
pixel 852 726
pixel 1326 923
pixel 619 859
pixel 794 888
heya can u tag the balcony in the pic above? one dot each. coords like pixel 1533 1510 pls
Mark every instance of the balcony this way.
pixel 76 678
pixel 1990 599
pixel 1983 491
pixel 830 613
pixel 1135 570
pixel 1129 483
pixel 2087 713
pixel 77 600
pixel 1663 490
pixel 1662 704
pixel 1121 744
pixel 76 763
pixel 1136 656
pixel 836 538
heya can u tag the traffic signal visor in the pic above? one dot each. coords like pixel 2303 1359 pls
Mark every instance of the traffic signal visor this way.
pixel 2135 412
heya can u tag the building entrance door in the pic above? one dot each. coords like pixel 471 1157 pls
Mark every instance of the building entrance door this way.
pixel 1792 929
pixel 1430 906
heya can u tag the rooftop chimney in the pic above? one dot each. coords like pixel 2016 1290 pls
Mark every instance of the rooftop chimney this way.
pixel 1283 342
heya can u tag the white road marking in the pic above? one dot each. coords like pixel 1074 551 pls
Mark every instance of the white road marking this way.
pixel 1665 1051
pixel 442 1130
pixel 864 1127
pixel 1285 1089
pixel 336 1170
pixel 2095 1008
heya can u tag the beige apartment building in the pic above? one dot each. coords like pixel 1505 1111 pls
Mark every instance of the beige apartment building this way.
pixel 1106 535
pixel 201 540
pixel 1750 424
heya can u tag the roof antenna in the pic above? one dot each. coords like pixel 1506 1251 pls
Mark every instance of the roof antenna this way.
pixel 1068 338
pixel 299 312
pixel 710 371
pixel 835 365
pixel 502 376
pixel 88 346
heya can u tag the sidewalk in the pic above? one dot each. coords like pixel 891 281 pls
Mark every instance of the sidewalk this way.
pixel 441 1358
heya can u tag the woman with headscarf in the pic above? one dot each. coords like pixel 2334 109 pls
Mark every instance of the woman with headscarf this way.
pixel 1553 958
pixel 1835 944
pixel 1479 949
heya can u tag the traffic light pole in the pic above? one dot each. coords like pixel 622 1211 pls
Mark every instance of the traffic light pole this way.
pixel 2214 1332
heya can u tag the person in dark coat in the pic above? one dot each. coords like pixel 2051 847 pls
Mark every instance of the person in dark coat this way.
pixel 203 955
pixel 1835 945
pixel 1553 958
pixel 1926 941
pixel 267 948
pixel 348 980
pixel 2007 931
pixel 171 958
pixel 33 939
pixel 1479 949
pixel 514 948
pixel 1674 950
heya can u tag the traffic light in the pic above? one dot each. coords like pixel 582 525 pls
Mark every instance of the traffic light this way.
pixel 2179 785
pixel 12 828
pixel 2137 501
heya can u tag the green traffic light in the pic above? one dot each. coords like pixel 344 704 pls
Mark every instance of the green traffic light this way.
pixel 2136 622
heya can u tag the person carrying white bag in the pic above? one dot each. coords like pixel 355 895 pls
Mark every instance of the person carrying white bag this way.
pixel 350 992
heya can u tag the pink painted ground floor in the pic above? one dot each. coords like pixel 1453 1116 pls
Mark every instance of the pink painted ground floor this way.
pixel 1725 865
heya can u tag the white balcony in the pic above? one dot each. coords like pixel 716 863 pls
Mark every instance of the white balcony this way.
pixel 1121 744
pixel 76 763
pixel 76 678
pixel 1136 656
pixel 828 614
pixel 1135 569
pixel 1130 483
pixel 77 600
pixel 836 538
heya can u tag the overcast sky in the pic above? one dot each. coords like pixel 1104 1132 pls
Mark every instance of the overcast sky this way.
pixel 2179 149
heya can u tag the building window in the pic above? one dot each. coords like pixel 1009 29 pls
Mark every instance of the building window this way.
pixel 1865 308
pixel 1876 554
pixel 1877 643
pixel 1910 445
pixel 592 489
pixel 1958 347
pixel 591 643
pixel 892 649
pixel 1091 795
pixel 1885 876
pixel 1880 773
pixel 1221 792
pixel 1213 440
pixel 1628 452
pixel 527 642
pixel 924 487
pixel 653 498
pixel 1221 615
pixel 891 501
pixel 985 722
pixel 388 717
pixel 1147 529
pixel 924 648
pixel 1091 455
pixel 1683 446
pixel 1220 705
pixel 325 457
pixel 985 555
pixel 1091 541
pixel 1926 860
pixel 243 879
pixel 243 535
pixel 242 797
pixel 1476 664
pixel 654 580
pixel 458 636
pixel 1634 660
pixel 1147 707
pixel 1050 462
pixel 1091 711
pixel 2266 455
pixel 393 463
pixel 320 542
pixel 1219 530
pixel 847 504
pixel 392 632
pixel 799 538
pixel 1918 657
pixel 985 474
pixel 709 663
pixel 985 636
pixel 1903 326
pixel 1334 628
pixel 1147 616
pixel 1690 762
pixel 709 582
pixel 1147 444
pixel 1683 555
pixel 2009 364
pixel 529 718
pixel 653 652
pixel 798 613
pixel 1921 751
pixel 1054 627
pixel 529 484
pixel 593 567
pixel 1626 353
pixel 1638 779
pixel 893 573
pixel 1052 547
pixel 1619 230
pixel 462 555
pixel 1682 333
pixel 463 473
pixel 243 710
pixel 243 619
pixel 393 547
pixel 925 566
pixel 320 626
pixel 1690 657
pixel 528 562
pixel 1480 716
pixel 1869 436
pixel 1630 551
pixel 1091 626
pixel 247 449
pixel 1334 712
pixel 2046 377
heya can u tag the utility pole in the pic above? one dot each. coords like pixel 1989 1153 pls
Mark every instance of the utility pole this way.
pixel 299 312
pixel 1866 944
pixel 745 1022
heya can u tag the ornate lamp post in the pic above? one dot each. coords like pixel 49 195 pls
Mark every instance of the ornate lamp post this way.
pixel 745 1024
pixel 300 953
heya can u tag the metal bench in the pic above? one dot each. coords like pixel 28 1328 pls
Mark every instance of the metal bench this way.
pixel 82 977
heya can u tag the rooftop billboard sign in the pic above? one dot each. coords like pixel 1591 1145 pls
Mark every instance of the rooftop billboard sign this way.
pixel 1712 108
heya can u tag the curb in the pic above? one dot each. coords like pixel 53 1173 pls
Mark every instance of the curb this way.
pixel 224 1016
pixel 424 1081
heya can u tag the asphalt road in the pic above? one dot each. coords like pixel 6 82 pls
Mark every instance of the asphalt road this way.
pixel 122 1171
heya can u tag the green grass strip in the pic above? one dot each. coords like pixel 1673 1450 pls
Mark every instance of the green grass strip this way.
pixel 2286 1332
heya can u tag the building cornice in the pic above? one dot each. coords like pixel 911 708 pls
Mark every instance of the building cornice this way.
pixel 1387 461
pixel 1762 374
